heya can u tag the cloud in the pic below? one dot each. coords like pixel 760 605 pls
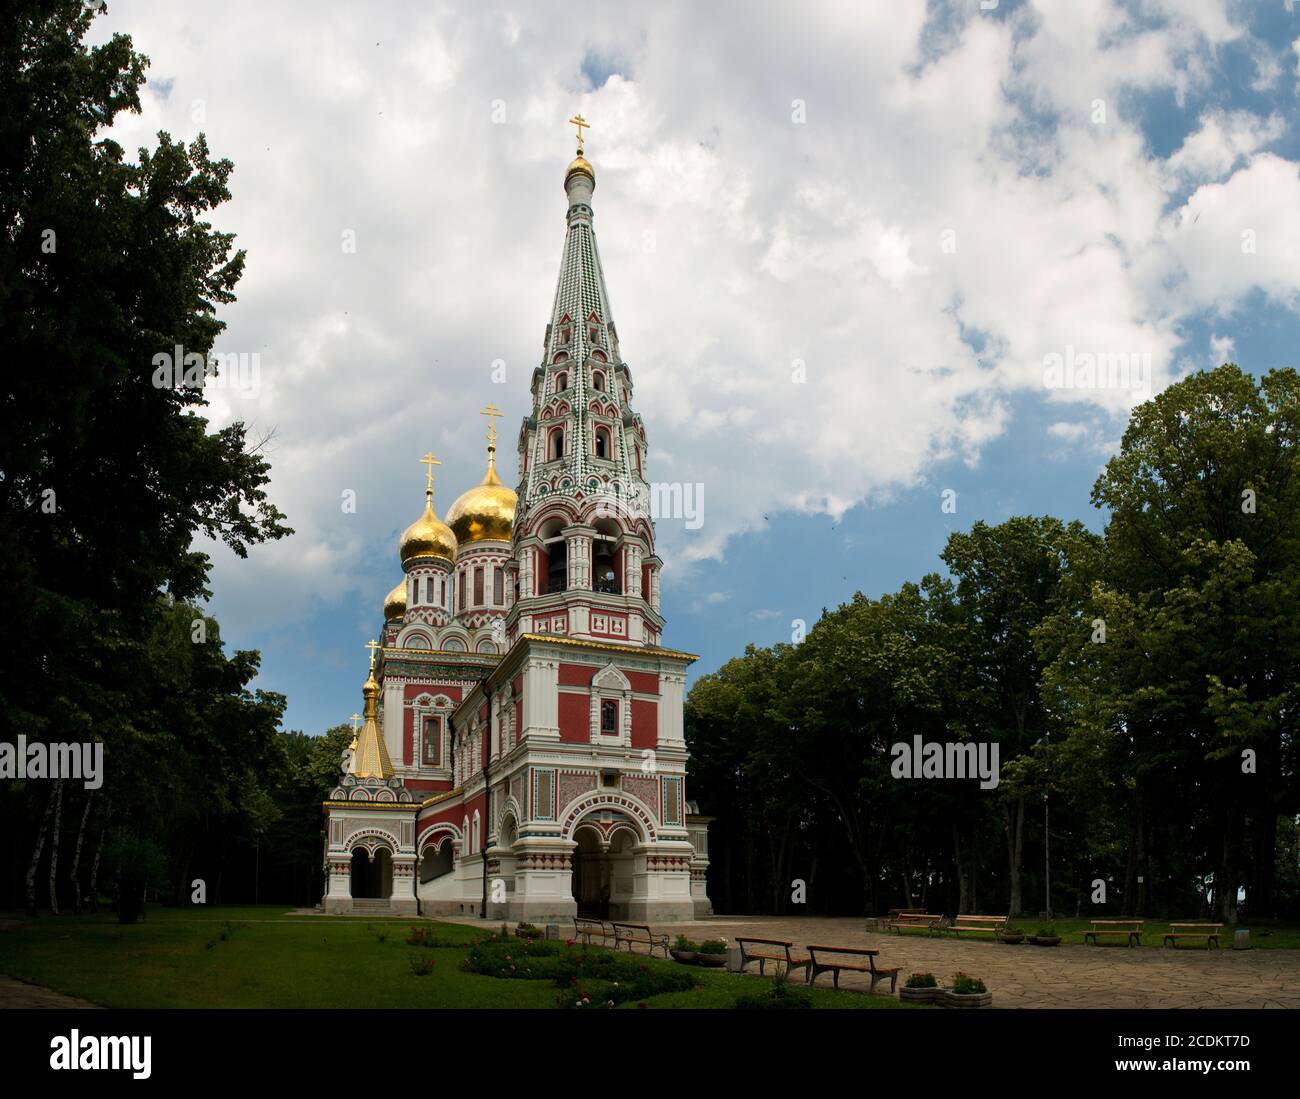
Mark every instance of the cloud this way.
pixel 816 312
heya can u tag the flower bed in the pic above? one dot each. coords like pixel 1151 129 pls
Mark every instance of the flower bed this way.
pixel 590 976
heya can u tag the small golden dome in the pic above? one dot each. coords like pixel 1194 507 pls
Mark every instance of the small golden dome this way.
pixel 580 166
pixel 428 536
pixel 487 511
pixel 395 602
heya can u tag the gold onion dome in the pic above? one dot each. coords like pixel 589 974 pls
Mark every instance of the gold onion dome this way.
pixel 428 536
pixel 487 511
pixel 580 165
pixel 395 602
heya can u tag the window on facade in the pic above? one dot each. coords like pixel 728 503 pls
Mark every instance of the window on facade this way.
pixel 561 382
pixel 460 599
pixel 478 586
pixel 608 717
pixel 602 443
pixel 557 445
pixel 429 596
pixel 431 744
pixel 498 586
pixel 598 382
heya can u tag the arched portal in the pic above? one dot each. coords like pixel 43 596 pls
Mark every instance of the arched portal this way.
pixel 372 876
pixel 603 872
pixel 436 861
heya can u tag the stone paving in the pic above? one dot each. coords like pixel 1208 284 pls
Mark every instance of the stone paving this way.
pixel 1108 976
pixel 20 994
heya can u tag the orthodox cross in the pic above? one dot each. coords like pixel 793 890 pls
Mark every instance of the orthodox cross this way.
pixel 430 461
pixel 355 719
pixel 491 412
pixel 582 124
pixel 373 645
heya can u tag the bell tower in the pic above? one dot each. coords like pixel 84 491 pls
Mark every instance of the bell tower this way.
pixel 584 564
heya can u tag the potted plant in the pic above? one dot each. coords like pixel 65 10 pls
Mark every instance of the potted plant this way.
pixel 1013 935
pixel 1047 936
pixel 528 931
pixel 921 988
pixel 967 992
pixel 684 950
pixel 713 953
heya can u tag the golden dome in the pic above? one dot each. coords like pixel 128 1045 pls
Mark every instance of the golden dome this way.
pixel 580 165
pixel 395 602
pixel 487 511
pixel 428 536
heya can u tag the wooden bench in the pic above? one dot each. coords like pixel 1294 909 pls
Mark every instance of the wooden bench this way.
pixel 988 925
pixel 1207 931
pixel 772 950
pixel 847 959
pixel 587 929
pixel 1130 929
pixel 930 922
pixel 628 934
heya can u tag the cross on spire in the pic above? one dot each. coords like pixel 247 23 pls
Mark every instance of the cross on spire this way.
pixel 355 719
pixel 581 124
pixel 372 646
pixel 430 461
pixel 492 412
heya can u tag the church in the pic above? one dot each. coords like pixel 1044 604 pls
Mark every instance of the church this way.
pixel 521 754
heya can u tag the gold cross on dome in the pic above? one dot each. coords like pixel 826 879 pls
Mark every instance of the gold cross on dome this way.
pixel 581 124
pixel 372 646
pixel 430 461
pixel 492 412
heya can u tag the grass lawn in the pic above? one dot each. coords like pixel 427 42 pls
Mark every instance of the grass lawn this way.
pixel 265 957
pixel 1266 935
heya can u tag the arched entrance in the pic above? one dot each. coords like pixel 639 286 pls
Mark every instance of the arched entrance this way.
pixel 436 861
pixel 603 871
pixel 372 876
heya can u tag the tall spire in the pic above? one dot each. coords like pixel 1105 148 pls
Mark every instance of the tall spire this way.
pixel 372 759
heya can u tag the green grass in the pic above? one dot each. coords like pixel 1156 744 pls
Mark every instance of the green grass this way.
pixel 1264 935
pixel 269 958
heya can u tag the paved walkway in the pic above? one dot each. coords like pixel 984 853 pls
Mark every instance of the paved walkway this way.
pixel 20 994
pixel 1106 976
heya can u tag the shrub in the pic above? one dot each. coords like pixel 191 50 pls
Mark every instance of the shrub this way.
pixel 713 946
pixel 964 985
pixel 781 996
pixel 1048 932
pixel 589 975
pixel 422 967
pixel 426 936
pixel 685 944
pixel 922 980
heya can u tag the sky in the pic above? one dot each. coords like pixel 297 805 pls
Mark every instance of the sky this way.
pixel 861 257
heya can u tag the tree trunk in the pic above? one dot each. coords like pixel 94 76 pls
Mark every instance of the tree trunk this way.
pixel 93 886
pixel 36 855
pixel 963 880
pixel 76 855
pixel 54 846
pixel 1014 830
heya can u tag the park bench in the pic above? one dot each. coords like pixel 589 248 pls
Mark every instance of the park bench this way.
pixel 1129 929
pixel 1207 931
pixel 849 958
pixel 929 921
pixel 629 934
pixel 587 929
pixel 771 950
pixel 988 925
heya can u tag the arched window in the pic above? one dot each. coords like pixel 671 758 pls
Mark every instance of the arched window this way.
pixel 557 444
pixel 602 442
pixel 598 381
pixel 478 585
pixel 429 597
pixel 474 846
pixel 460 587
pixel 498 586
pixel 561 382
